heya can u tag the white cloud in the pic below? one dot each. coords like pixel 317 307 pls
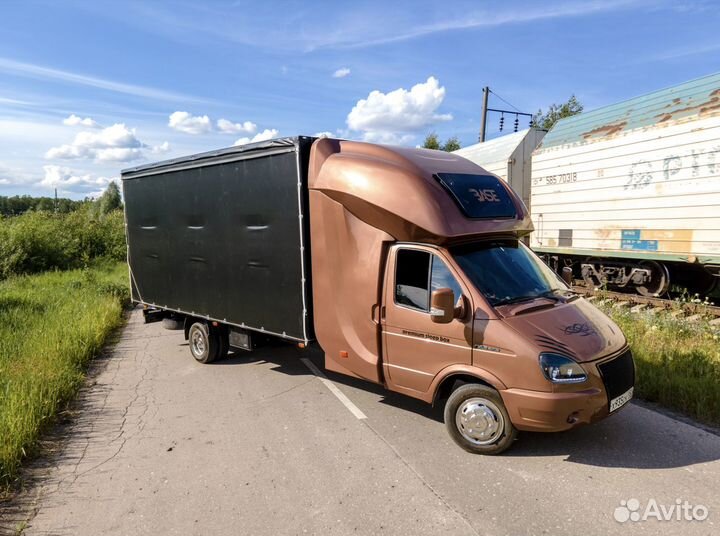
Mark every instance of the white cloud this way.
pixel 190 124
pixel 388 138
pixel 164 147
pixel 118 154
pixel 341 73
pixel 47 73
pixel 117 143
pixel 334 29
pixel 66 180
pixel 393 117
pixel 228 127
pixel 393 29
pixel 15 176
pixel 74 121
pixel 324 134
pixel 267 134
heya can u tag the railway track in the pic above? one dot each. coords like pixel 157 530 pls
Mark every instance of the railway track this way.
pixel 687 309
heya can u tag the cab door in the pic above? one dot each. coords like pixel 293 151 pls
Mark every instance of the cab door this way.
pixel 415 347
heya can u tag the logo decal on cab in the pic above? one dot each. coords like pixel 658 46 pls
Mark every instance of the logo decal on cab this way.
pixel 487 194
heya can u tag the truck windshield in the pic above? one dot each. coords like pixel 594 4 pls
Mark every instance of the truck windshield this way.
pixel 506 271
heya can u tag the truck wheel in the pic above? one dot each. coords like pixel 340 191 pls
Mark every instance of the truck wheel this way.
pixel 477 420
pixel 204 345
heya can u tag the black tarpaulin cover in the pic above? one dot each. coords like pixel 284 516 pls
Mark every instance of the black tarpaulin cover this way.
pixel 220 235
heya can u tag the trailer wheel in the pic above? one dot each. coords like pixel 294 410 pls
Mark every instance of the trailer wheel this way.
pixel 477 420
pixel 204 344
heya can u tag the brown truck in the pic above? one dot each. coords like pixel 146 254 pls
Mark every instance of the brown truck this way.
pixel 406 266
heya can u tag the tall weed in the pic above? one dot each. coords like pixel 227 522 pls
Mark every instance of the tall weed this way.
pixel 51 325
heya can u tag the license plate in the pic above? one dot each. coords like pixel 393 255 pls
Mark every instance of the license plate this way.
pixel 620 401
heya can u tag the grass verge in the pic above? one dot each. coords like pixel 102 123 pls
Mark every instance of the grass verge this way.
pixel 51 325
pixel 677 362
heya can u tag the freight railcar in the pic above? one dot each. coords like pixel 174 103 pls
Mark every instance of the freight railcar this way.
pixel 628 195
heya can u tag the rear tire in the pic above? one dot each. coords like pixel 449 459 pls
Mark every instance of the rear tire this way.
pixel 204 343
pixel 477 420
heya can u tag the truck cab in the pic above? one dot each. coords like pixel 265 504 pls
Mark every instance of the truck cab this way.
pixel 421 283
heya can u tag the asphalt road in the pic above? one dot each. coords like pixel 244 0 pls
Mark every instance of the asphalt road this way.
pixel 257 444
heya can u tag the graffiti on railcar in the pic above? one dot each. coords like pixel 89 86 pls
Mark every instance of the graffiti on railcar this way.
pixel 643 172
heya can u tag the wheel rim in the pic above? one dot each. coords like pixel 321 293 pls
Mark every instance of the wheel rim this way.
pixel 480 421
pixel 197 342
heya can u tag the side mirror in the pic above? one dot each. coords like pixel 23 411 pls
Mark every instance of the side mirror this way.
pixel 442 306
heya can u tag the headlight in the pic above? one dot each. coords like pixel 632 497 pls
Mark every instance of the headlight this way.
pixel 561 369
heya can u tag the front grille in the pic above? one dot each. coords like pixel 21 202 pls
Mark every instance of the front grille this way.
pixel 618 374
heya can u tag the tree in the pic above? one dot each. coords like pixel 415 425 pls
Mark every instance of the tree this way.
pixel 110 200
pixel 556 112
pixel 432 141
pixel 45 204
pixel 452 144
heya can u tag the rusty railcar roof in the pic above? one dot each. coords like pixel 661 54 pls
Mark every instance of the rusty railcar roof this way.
pixel 689 101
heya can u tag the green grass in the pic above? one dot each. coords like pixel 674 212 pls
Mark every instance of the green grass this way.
pixel 51 325
pixel 677 362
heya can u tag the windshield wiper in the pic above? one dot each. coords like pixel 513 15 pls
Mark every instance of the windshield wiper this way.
pixel 516 299
pixel 548 294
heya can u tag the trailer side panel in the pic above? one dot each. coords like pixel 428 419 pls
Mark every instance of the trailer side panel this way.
pixel 222 238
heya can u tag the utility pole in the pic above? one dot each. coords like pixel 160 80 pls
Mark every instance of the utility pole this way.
pixel 485 110
pixel 483 119
pixel 56 202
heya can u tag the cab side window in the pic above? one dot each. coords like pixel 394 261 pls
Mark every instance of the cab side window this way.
pixel 417 274
pixel 443 278
pixel 412 279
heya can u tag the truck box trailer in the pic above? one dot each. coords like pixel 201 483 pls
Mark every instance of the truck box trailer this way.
pixel 220 236
pixel 406 267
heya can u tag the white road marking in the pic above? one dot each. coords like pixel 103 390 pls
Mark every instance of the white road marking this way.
pixel 333 389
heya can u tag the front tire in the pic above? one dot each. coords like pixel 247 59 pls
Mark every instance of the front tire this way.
pixel 477 420
pixel 204 344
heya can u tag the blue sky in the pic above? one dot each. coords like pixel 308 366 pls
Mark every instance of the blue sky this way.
pixel 89 88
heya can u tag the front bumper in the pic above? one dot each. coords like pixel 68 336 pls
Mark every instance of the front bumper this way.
pixel 536 411
pixel 566 408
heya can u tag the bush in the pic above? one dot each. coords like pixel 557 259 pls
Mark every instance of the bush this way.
pixel 39 241
pixel 677 362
